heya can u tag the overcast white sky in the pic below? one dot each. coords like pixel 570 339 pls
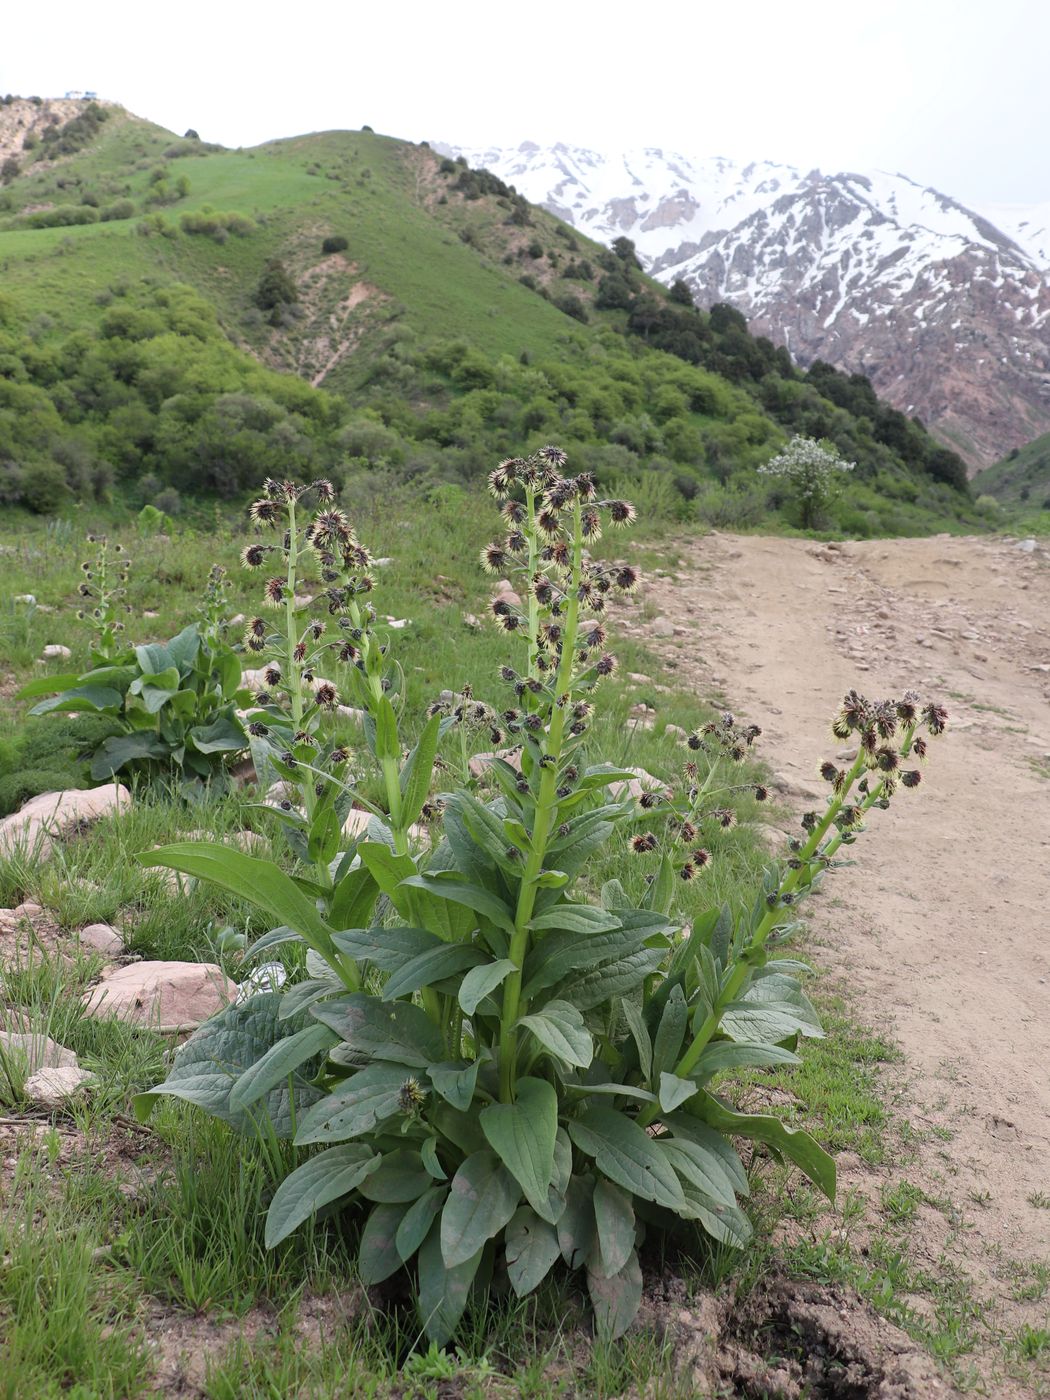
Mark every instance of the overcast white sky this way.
pixel 954 93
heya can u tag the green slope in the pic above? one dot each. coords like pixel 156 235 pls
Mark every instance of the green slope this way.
pixel 458 323
pixel 1022 478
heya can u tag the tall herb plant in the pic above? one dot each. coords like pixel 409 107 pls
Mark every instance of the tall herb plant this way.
pixel 496 1071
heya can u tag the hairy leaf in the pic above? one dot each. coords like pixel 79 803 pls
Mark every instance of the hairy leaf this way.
pixel 321 1179
pixel 559 1028
pixel 522 1134
pixel 531 1249
pixel 627 1155
pixel 482 1198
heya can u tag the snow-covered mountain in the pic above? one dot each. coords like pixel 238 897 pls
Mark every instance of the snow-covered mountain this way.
pixel 945 308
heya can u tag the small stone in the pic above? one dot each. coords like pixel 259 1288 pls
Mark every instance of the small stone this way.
pixel 382 563
pixel 641 710
pixel 675 731
pixel 357 820
pixel 792 787
pixel 770 837
pixel 469 620
pixel 397 622
pixel 237 621
pixel 147 612
pixel 640 722
pixel 506 592
pixel 634 787
pixel 166 997
pixel 636 678
pixel 348 712
pixel 103 938
pixel 661 627
pixel 28 598
pixel 51 1088
pixel 1025 546
pixel 54 651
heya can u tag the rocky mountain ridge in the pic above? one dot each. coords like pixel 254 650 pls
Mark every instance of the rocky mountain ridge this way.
pixel 945 308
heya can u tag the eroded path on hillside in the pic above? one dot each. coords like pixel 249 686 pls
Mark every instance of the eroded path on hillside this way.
pixel 940 934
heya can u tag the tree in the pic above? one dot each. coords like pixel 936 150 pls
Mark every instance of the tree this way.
pixel 811 470
pixel 680 293
pixel 275 288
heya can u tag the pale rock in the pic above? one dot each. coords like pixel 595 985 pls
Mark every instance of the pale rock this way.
pixel 771 838
pixel 28 598
pixel 636 678
pixel 640 722
pixel 634 787
pixel 641 710
pixel 479 762
pixel 356 826
pixel 382 563
pixel 103 938
pixel 1024 546
pixel 661 627
pixel 49 817
pixel 793 787
pixel 54 651
pixel 34 1050
pixel 474 623
pixel 675 731
pixel 348 712
pixel 150 614
pixel 52 1088
pixel 166 997
pixel 238 620
pixel 507 593
pixel 397 622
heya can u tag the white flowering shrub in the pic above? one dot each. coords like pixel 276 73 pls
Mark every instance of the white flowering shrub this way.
pixel 812 472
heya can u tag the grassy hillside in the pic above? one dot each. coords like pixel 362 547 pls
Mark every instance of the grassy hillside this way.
pixel 1022 478
pixel 159 293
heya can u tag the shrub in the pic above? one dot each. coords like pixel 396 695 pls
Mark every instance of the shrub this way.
pixel 335 244
pixel 175 703
pixel 44 487
pixel 491 1066
pixel 572 306
pixel 62 216
pixel 122 209
pixel 275 287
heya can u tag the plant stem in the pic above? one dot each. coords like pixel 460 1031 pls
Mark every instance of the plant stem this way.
pixel 546 811
pixel 769 921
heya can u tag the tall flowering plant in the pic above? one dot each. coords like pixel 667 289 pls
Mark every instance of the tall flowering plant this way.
pixel 494 1071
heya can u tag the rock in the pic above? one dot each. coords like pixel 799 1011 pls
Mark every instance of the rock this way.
pixel 237 621
pixel 167 997
pixel 382 563
pixel 675 731
pixel 481 761
pixel 469 620
pixel 641 710
pixel 506 592
pixel 34 1050
pixel 774 840
pixel 51 1088
pixel 1025 547
pixel 348 712
pixel 51 816
pixel 397 622
pixel 150 613
pixel 661 627
pixel 636 678
pixel 792 787
pixel 640 722
pixel 28 598
pixel 54 651
pixel 357 820
pixel 634 787
pixel 103 938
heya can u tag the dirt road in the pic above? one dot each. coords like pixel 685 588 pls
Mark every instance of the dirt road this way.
pixel 940 933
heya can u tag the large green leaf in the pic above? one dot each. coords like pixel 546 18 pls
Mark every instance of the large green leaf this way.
pixel 82 697
pixel 387 743
pixel 377 1253
pixel 639 1030
pixel 559 1029
pixel 446 885
pixel 531 1249
pixel 727 1054
pixel 354 899
pixel 627 1155
pixel 432 966
pixel 726 1223
pixel 794 1143
pixel 365 1099
pixel 418 1220
pixel 455 1082
pixel 401 1176
pixel 417 772
pixel 667 1045
pixel 121 749
pixel 223 735
pixel 154 691
pixel 688 1128
pixel 443 1288
pixel 278 1063
pixel 614 1222
pixel 480 981
pixel 700 1167
pixel 616 1298
pixel 522 1134
pixel 47 685
pixel 577 1232
pixel 388 949
pixel 322 1179
pixel 558 955
pixel 576 918
pixel 675 1091
pixel 772 1009
pixel 482 1198
pixel 613 980
pixel 260 882
pixel 403 1032
pixel 207 1067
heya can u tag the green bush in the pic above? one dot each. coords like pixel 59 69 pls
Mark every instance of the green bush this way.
pixel 62 216
pixel 17 788
pixel 122 209
pixel 43 487
pixel 335 244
